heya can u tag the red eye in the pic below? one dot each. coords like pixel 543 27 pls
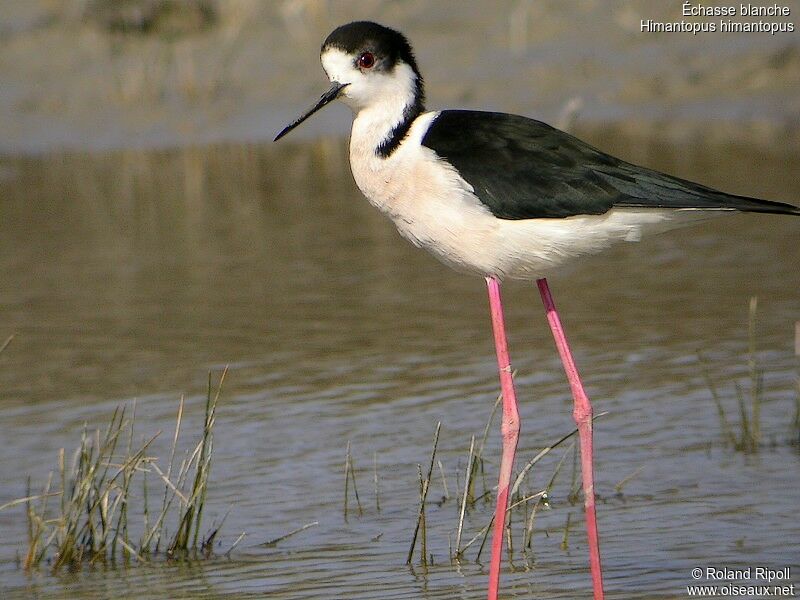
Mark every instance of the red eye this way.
pixel 366 60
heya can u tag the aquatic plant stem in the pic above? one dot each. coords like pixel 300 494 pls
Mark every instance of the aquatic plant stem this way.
pixel 582 413
pixel 509 429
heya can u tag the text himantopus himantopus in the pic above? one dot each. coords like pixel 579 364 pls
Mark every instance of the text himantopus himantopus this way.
pixel 501 196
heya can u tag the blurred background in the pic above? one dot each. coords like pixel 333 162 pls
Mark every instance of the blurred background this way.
pixel 110 74
pixel 150 232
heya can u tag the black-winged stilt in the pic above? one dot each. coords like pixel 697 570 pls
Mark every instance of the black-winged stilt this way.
pixel 501 196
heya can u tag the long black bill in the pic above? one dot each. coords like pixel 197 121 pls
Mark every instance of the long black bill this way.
pixel 328 96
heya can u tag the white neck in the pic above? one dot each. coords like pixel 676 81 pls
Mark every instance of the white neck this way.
pixel 381 100
pixel 374 125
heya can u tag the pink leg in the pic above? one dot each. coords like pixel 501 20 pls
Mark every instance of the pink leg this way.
pixel 582 414
pixel 509 429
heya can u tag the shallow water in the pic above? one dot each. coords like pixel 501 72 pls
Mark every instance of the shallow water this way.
pixel 131 275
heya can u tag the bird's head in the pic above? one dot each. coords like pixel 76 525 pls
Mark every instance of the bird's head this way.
pixel 368 65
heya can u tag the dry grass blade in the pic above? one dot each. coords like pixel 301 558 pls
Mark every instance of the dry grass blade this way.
pixel 481 533
pixel 575 485
pixel 756 377
pixel 154 533
pixel 424 486
pixel 526 499
pixel 744 421
pixel 169 485
pixel 796 420
pixel 727 431
pixel 350 475
pixel 464 497
pixel 186 537
pixel 486 531
pixel 130 549
pixel 444 481
pixel 280 538
pixel 27 499
pixel 624 481
pixel 422 527
pixel 489 421
pixel 565 537
pixel 346 477
pixel 6 343
pixel 544 498
pixel 235 543
pixel 478 462
pixel 375 481
pixel 540 455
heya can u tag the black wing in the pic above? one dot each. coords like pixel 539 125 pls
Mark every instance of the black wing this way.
pixel 525 169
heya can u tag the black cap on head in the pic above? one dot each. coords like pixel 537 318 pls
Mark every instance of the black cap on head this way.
pixel 387 44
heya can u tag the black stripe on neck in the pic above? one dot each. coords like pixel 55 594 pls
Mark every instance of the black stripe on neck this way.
pixel 399 131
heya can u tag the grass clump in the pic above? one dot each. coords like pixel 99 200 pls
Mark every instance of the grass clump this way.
pixel 86 516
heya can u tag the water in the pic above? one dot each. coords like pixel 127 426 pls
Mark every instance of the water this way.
pixel 132 274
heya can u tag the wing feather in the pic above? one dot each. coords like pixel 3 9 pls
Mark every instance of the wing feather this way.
pixel 525 169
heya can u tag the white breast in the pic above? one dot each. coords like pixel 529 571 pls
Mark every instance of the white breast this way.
pixel 425 198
